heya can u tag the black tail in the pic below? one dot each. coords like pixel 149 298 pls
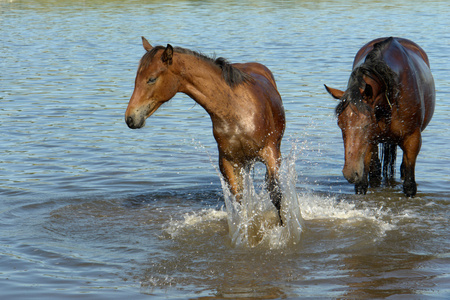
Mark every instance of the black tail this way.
pixel 389 155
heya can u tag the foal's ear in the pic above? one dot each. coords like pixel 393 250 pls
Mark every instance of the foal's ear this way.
pixel 337 94
pixel 167 55
pixel 146 44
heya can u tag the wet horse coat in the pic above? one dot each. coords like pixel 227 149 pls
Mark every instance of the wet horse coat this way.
pixel 242 100
pixel 390 99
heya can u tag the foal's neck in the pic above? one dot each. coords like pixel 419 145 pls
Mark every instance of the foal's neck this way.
pixel 203 82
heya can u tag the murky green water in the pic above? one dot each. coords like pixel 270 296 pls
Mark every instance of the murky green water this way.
pixel 92 209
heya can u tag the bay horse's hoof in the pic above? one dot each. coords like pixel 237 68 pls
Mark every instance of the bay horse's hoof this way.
pixel 410 188
pixel 360 189
pixel 375 181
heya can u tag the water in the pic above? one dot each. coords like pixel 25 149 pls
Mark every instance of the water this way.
pixel 92 209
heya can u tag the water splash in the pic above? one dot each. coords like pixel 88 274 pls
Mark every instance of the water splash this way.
pixel 206 219
pixel 345 214
pixel 254 221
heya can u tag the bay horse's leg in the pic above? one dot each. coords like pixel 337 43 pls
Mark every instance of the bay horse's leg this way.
pixel 411 146
pixel 272 159
pixel 402 169
pixel 375 168
pixel 232 175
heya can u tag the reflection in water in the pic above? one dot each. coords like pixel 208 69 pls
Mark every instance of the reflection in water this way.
pixel 351 243
pixel 379 276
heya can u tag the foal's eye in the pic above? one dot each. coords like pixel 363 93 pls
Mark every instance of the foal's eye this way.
pixel 151 80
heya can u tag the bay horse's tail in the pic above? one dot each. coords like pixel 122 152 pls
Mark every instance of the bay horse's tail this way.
pixel 389 155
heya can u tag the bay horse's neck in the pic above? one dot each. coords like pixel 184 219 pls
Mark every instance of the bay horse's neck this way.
pixel 203 82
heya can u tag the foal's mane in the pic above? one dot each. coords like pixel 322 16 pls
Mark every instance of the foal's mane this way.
pixel 232 76
pixel 375 67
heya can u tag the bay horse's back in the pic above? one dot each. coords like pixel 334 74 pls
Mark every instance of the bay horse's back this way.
pixel 408 44
pixel 399 53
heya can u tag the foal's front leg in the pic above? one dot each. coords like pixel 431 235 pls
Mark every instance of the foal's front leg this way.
pixel 232 175
pixel 272 159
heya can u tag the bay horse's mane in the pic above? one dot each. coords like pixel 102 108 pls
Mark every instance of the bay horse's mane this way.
pixel 232 76
pixel 373 67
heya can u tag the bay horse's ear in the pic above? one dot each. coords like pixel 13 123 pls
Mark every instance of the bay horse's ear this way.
pixel 368 91
pixel 372 88
pixel 167 55
pixel 146 44
pixel 337 94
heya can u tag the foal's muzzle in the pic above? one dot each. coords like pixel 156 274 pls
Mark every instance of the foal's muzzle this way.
pixel 133 124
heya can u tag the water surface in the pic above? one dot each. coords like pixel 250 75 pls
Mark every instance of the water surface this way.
pixel 92 209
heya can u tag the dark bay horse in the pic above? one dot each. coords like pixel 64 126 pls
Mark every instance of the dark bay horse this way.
pixel 242 100
pixel 390 99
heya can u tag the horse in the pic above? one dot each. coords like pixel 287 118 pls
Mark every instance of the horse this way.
pixel 241 99
pixel 389 100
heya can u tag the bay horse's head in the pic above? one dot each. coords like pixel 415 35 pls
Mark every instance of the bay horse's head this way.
pixel 362 107
pixel 364 113
pixel 357 123
pixel 154 84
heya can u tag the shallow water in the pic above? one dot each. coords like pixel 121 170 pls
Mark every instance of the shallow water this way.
pixel 92 209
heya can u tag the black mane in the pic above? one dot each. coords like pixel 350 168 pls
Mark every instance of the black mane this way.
pixel 230 74
pixel 374 67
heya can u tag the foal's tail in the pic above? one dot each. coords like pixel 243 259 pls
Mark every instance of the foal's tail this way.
pixel 388 156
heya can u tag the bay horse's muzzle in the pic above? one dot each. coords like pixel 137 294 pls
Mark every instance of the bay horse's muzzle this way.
pixel 358 178
pixel 351 175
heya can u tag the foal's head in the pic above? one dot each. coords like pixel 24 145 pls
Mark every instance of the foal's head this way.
pixel 154 84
